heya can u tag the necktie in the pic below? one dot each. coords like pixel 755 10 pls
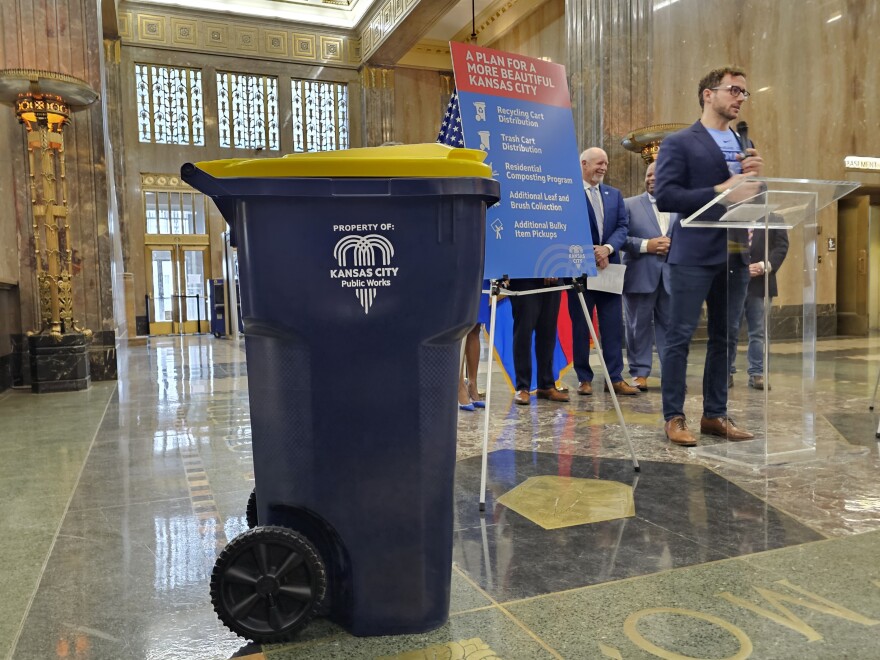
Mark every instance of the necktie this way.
pixel 596 200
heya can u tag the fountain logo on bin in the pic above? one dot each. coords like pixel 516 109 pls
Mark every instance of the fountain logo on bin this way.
pixel 364 263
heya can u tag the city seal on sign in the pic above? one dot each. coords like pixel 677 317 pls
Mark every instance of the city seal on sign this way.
pixel 364 265
pixel 576 255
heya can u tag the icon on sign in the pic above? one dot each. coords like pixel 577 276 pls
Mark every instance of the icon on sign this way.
pixel 484 140
pixel 497 226
pixel 480 107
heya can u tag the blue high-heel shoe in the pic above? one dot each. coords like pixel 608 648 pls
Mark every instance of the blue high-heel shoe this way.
pixel 466 406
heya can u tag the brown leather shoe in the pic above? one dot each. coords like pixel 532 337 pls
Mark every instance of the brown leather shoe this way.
pixel 724 427
pixel 552 394
pixel 678 434
pixel 585 388
pixel 522 398
pixel 622 388
pixel 641 382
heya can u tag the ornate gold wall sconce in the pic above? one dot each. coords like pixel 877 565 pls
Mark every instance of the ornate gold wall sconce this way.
pixel 646 141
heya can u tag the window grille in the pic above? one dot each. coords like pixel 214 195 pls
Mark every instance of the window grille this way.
pixel 320 115
pixel 169 105
pixel 247 108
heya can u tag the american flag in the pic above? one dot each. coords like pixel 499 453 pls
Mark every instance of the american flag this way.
pixel 450 129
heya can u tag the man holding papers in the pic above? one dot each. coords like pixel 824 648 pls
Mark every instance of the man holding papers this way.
pixel 609 225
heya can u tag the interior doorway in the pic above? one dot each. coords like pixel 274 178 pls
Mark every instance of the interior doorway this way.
pixel 858 263
pixel 177 275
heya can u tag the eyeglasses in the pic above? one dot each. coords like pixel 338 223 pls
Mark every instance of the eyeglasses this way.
pixel 735 90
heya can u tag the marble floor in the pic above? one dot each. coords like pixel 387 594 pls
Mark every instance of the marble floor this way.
pixel 117 501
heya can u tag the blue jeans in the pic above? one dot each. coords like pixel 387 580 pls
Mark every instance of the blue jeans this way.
pixel 723 289
pixel 754 315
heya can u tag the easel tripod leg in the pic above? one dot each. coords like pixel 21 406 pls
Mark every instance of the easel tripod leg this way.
pixel 608 383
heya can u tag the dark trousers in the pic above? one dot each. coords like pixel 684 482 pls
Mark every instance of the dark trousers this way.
pixel 723 288
pixel 534 314
pixel 609 312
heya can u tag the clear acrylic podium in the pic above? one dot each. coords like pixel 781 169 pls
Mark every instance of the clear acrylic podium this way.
pixel 783 416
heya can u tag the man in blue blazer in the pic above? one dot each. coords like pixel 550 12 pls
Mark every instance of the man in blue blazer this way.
pixel 608 226
pixel 645 286
pixel 694 166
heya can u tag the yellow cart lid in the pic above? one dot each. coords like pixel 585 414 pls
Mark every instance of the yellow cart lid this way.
pixel 406 160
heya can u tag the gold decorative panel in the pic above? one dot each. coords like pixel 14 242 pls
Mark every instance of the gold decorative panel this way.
pixel 151 28
pixel 553 502
pixel 304 46
pixel 331 48
pixel 244 36
pixel 376 28
pixel 216 35
pixel 124 23
pixel 275 42
pixel 246 39
pixel 389 15
pixel 183 32
pixel 354 50
pixel 367 40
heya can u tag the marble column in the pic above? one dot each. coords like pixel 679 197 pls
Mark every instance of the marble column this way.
pixel 377 108
pixel 65 36
pixel 609 67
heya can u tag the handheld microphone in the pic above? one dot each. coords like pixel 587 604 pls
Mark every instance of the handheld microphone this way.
pixel 742 129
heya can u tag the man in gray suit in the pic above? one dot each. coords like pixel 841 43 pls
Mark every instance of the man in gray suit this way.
pixel 645 292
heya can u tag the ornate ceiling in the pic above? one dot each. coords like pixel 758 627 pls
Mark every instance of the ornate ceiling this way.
pixel 330 13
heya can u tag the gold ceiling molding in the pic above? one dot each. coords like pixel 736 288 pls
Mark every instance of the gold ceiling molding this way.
pixel 281 41
pixel 496 19
pixel 163 182
pixel 491 24
pixel 428 54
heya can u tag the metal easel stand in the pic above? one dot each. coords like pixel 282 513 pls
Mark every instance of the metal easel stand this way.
pixel 873 401
pixel 579 287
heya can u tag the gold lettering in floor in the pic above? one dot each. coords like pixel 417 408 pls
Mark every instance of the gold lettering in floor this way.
pixel 785 617
pixel 466 649
pixel 782 616
pixel 630 627
pixel 553 502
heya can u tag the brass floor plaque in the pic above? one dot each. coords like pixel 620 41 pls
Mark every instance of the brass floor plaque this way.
pixel 553 502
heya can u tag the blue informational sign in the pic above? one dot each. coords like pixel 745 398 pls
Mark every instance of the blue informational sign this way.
pixel 517 109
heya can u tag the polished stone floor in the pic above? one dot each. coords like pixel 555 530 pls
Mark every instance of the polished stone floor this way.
pixel 118 499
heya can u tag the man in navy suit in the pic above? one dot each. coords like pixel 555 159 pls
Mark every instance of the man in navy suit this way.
pixel 694 166
pixel 608 225
pixel 645 293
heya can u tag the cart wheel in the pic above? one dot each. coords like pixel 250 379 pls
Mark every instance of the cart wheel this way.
pixel 250 513
pixel 267 584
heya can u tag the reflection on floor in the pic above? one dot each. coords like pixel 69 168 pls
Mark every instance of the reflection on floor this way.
pixel 118 499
